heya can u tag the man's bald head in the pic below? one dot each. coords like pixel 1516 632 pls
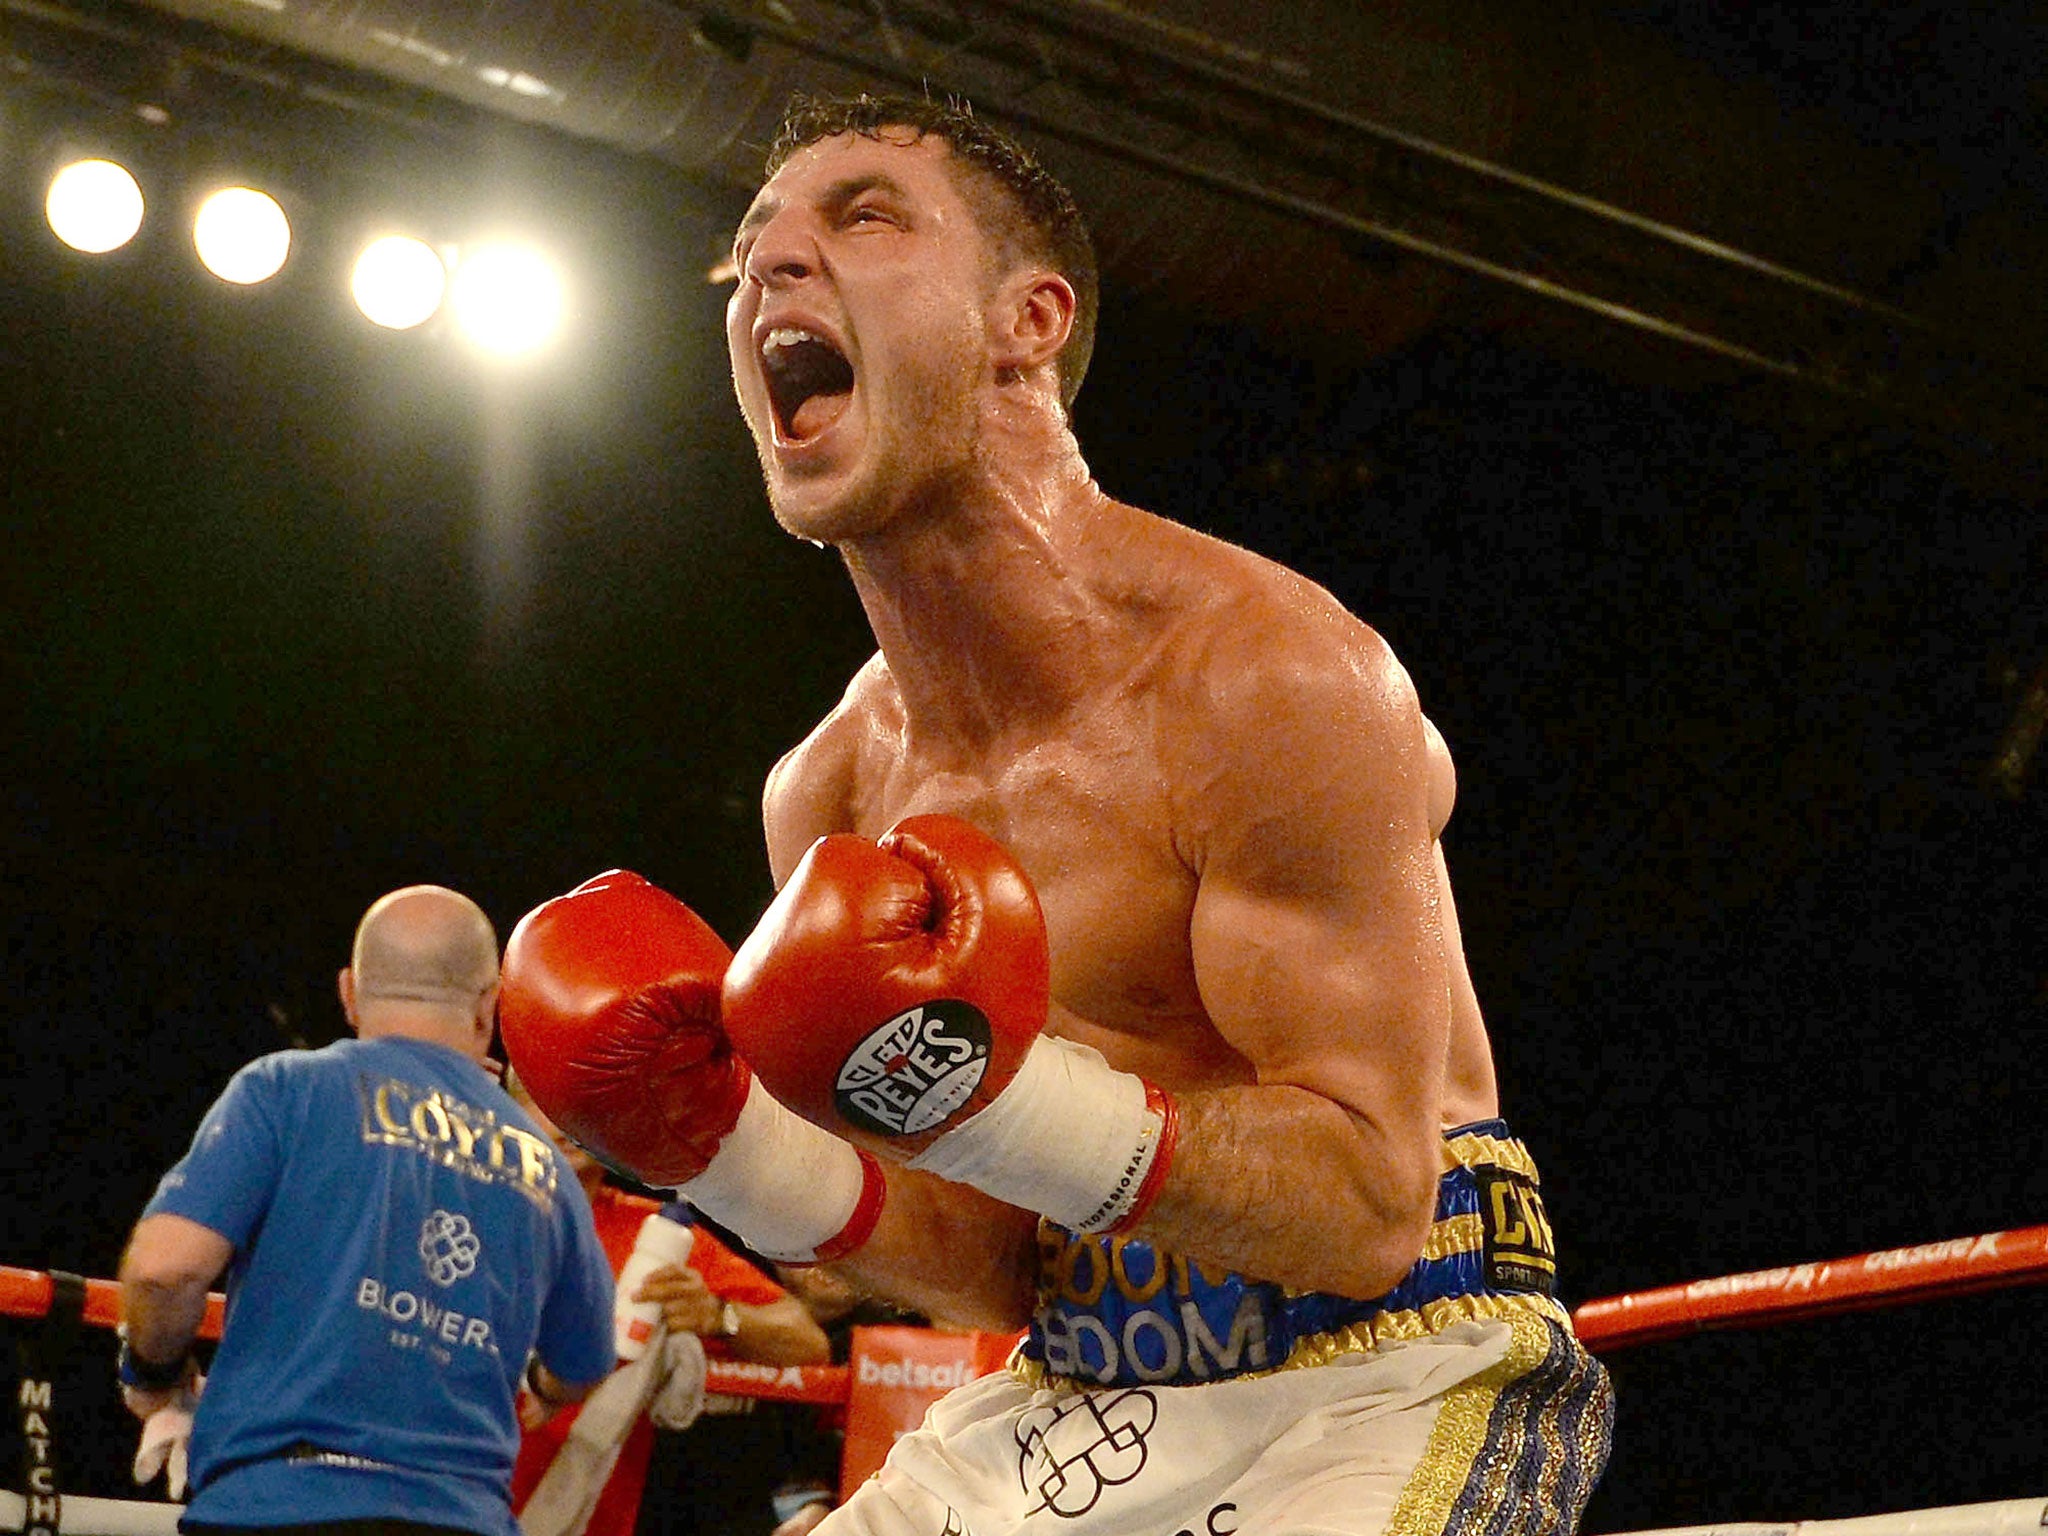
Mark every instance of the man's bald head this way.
pixel 424 944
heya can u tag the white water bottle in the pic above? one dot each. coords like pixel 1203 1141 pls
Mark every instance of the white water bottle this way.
pixel 664 1239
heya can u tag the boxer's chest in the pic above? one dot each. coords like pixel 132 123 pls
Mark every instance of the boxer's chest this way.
pixel 1094 831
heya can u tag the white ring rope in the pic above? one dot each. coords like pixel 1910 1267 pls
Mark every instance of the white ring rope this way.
pixel 2008 1517
pixel 1957 1267
pixel 2004 1517
pixel 81 1516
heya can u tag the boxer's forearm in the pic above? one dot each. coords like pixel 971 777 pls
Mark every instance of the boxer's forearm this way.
pixel 950 1252
pixel 1286 1185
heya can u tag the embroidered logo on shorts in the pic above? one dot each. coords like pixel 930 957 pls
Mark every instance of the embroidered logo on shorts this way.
pixel 913 1072
pixel 1075 1448
pixel 1213 1522
pixel 1520 1253
pixel 448 1247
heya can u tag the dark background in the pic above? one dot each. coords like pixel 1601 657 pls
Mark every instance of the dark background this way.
pixel 296 611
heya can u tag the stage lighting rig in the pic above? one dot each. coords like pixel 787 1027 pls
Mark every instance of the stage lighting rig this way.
pixel 94 206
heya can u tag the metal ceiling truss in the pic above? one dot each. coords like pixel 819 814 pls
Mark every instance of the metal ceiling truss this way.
pixel 151 68
pixel 1080 79
pixel 1082 72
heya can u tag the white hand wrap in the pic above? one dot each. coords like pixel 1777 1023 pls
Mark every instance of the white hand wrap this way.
pixel 796 1193
pixel 1070 1137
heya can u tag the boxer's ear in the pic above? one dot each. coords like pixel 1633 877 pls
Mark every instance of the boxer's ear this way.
pixel 1031 319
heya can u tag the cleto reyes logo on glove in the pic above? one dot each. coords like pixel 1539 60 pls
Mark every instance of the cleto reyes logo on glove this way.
pixel 909 1075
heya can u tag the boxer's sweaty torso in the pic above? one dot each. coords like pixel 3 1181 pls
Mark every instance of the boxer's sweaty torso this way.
pixel 1098 827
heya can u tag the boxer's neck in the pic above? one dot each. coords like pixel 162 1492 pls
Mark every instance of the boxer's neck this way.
pixel 993 612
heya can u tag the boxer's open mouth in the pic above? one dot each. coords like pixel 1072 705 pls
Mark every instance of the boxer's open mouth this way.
pixel 809 381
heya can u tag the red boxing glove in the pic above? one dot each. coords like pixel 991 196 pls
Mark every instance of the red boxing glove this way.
pixel 609 1013
pixel 934 938
pixel 609 1010
pixel 896 994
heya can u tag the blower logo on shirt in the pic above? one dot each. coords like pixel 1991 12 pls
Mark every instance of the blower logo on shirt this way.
pixel 448 1247
pixel 909 1075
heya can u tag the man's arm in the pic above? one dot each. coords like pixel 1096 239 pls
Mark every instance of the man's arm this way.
pixel 575 1347
pixel 170 1264
pixel 553 1392
pixel 778 1332
pixel 1321 956
pixel 960 1257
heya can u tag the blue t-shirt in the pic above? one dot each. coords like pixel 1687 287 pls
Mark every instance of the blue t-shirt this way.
pixel 404 1236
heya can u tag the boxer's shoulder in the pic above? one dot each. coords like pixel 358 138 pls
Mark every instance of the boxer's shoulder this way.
pixel 1237 631
pixel 1280 703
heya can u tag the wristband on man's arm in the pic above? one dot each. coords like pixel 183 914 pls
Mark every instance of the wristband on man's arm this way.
pixel 792 1499
pixel 131 1370
pixel 535 1371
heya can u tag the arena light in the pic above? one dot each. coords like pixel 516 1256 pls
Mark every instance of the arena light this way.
pixel 94 206
pixel 508 299
pixel 398 281
pixel 242 236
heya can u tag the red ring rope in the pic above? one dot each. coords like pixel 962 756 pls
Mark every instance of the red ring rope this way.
pixel 28 1293
pixel 1958 1267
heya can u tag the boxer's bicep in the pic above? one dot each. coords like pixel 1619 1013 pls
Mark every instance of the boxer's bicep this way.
pixel 793 816
pixel 1341 995
pixel 808 792
pixel 1318 930
pixel 1351 1008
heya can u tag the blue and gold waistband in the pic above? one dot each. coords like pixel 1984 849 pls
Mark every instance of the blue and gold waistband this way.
pixel 1118 1312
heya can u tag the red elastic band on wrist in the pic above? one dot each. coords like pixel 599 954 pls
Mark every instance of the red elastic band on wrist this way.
pixel 867 1210
pixel 1161 1103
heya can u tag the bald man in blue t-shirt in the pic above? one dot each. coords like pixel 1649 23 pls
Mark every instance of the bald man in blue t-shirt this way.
pixel 401 1246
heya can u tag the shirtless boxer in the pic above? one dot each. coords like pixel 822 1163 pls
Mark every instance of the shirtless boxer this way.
pixel 1114 983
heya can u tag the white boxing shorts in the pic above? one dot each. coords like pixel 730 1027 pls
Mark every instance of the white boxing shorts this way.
pixel 1155 1396
pixel 1489 1426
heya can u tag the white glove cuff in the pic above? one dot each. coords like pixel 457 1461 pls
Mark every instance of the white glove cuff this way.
pixel 1070 1137
pixel 794 1192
